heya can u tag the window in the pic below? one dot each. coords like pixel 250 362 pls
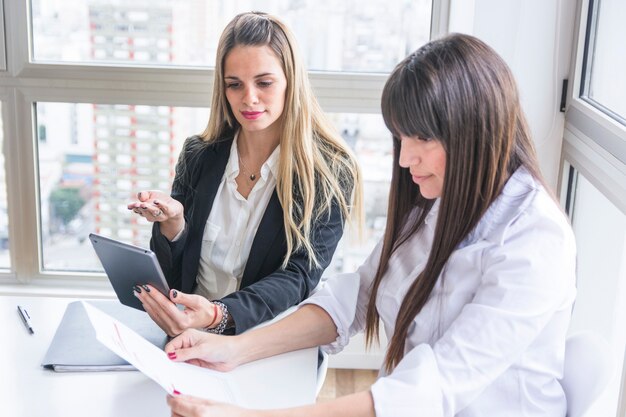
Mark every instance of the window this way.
pixel 3 61
pixel 91 163
pixel 601 300
pixel 85 185
pixel 349 35
pixel 594 184
pixel 5 260
pixel 604 82
pixel 103 94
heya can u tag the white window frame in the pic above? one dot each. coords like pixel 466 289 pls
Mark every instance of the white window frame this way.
pixel 26 83
pixel 3 56
pixel 594 144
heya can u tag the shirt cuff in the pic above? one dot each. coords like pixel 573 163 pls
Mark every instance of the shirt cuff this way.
pixel 338 297
pixel 413 388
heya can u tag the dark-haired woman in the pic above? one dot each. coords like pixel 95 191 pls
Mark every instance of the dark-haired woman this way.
pixel 475 278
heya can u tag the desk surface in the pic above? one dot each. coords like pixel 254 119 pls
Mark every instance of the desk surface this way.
pixel 28 390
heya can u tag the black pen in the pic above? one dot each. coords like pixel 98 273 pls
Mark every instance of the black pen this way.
pixel 25 318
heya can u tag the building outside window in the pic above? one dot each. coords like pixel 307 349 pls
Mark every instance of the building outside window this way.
pixel 129 63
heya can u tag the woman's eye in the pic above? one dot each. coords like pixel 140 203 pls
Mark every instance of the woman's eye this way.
pixel 265 83
pixel 233 85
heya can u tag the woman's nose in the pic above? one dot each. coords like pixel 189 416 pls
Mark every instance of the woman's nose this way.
pixel 251 96
pixel 409 153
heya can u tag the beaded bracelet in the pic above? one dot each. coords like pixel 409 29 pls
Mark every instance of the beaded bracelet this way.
pixel 221 326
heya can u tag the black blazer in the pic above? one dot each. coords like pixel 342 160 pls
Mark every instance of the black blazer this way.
pixel 266 289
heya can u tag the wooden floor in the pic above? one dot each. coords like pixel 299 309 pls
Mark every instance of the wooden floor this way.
pixel 340 382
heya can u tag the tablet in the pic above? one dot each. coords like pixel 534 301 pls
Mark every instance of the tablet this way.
pixel 127 265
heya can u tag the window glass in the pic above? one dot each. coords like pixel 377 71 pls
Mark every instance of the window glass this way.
pixel 600 307
pixel 605 80
pixel 5 260
pixel 94 158
pixel 371 141
pixel 350 35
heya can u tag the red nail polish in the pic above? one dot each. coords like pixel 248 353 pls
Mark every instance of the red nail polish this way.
pixel 171 355
pixel 176 392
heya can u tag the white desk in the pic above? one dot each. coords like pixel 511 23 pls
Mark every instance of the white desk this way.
pixel 28 390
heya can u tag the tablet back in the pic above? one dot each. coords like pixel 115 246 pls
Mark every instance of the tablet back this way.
pixel 126 266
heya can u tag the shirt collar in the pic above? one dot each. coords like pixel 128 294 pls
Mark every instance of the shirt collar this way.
pixel 513 199
pixel 516 195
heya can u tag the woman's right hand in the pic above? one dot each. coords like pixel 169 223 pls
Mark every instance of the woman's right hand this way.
pixel 204 349
pixel 187 406
pixel 157 206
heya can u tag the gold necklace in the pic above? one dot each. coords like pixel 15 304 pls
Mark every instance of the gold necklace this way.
pixel 246 171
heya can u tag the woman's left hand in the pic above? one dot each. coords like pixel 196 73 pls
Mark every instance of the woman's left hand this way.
pixel 187 406
pixel 198 313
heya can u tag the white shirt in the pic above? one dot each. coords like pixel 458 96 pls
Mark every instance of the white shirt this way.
pixel 231 227
pixel 490 340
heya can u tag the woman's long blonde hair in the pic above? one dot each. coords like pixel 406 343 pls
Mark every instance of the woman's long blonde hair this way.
pixel 316 168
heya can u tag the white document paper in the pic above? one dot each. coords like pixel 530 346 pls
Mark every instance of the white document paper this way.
pixel 153 362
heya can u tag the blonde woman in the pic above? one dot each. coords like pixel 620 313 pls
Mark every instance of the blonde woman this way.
pixel 259 200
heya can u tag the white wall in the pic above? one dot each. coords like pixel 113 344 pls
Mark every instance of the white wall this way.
pixel 535 38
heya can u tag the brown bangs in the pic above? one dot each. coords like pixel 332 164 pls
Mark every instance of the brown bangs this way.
pixel 405 99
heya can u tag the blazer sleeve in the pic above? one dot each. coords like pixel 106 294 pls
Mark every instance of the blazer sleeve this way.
pixel 287 287
pixel 169 253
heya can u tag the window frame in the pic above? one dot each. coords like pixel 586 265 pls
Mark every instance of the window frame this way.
pixel 3 56
pixel 27 83
pixel 594 142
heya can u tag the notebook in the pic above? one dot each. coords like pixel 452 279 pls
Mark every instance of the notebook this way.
pixel 74 347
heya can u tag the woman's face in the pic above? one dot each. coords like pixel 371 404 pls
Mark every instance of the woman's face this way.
pixel 426 160
pixel 255 86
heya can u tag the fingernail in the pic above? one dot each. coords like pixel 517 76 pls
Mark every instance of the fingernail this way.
pixel 174 293
pixel 176 392
pixel 145 287
pixel 139 195
pixel 171 355
pixel 137 289
pixel 156 202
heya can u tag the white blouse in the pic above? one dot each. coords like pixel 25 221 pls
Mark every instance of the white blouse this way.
pixel 490 340
pixel 231 227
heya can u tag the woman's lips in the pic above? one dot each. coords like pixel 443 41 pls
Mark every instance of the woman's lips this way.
pixel 251 115
pixel 418 179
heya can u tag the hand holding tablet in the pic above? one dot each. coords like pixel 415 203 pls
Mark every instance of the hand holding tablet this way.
pixel 126 266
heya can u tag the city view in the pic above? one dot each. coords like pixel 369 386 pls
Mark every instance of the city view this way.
pixel 93 158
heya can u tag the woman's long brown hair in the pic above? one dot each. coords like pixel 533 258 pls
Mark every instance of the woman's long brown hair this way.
pixel 456 90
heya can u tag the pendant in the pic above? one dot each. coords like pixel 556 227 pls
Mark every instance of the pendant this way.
pixel 252 177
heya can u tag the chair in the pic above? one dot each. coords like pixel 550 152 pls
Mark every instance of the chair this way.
pixel 587 371
pixel 321 373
